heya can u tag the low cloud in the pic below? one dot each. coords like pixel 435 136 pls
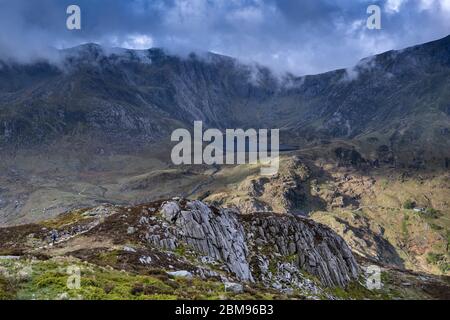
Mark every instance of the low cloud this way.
pixel 297 36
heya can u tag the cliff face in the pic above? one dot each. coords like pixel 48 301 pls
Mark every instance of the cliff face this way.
pixel 185 249
pixel 389 100
pixel 259 247
pixel 122 96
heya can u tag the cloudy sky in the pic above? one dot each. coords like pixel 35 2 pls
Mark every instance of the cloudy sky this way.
pixel 300 36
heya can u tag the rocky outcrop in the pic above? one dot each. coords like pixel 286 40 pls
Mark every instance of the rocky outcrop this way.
pixel 218 235
pixel 278 250
pixel 285 192
pixel 307 245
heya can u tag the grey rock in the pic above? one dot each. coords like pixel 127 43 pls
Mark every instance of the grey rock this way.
pixel 181 274
pixel 234 287
pixel 9 257
pixel 244 244
pixel 145 260
pixel 170 210
pixel 318 250
pixel 129 249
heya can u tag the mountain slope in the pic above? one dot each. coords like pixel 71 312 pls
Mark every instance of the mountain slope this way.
pixel 208 242
pixel 389 100
pixel 189 250
pixel 124 94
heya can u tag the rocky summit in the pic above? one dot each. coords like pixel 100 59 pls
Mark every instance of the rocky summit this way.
pixel 190 239
pixel 188 249
pixel 247 246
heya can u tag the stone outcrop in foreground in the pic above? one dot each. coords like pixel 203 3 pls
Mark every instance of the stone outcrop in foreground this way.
pixel 278 250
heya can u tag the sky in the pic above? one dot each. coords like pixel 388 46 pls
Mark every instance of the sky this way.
pixel 297 36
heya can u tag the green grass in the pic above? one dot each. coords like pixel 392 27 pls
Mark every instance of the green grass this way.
pixel 357 291
pixel 180 250
pixel 409 204
pixel 6 292
pixel 49 279
pixel 109 257
pixel 384 184
pixel 435 227
pixel 448 238
pixel 405 225
pixel 439 260
pixel 64 219
pixel 435 258
pixel 432 213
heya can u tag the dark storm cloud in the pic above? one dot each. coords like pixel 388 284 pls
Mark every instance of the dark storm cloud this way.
pixel 301 36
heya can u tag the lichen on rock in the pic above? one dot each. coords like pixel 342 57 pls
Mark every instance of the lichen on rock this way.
pixel 237 241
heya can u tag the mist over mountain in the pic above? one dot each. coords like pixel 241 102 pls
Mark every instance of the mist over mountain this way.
pixel 140 96
pixel 97 202
pixel 303 37
pixel 85 149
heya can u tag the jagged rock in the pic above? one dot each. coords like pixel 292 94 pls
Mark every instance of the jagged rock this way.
pixel 144 221
pixel 145 260
pixel 254 187
pixel 248 206
pixel 219 236
pixel 207 273
pixel 207 260
pixel 170 210
pixel 248 245
pixel 100 211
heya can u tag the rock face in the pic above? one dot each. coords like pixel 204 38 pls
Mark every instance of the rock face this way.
pixel 219 236
pixel 308 245
pixel 282 193
pixel 137 96
pixel 274 249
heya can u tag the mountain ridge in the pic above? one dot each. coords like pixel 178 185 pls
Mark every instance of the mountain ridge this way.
pixel 141 96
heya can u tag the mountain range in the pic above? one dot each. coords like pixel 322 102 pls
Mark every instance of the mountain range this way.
pixel 394 105
pixel 85 154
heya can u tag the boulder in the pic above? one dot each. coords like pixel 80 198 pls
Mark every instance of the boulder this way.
pixel 234 287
